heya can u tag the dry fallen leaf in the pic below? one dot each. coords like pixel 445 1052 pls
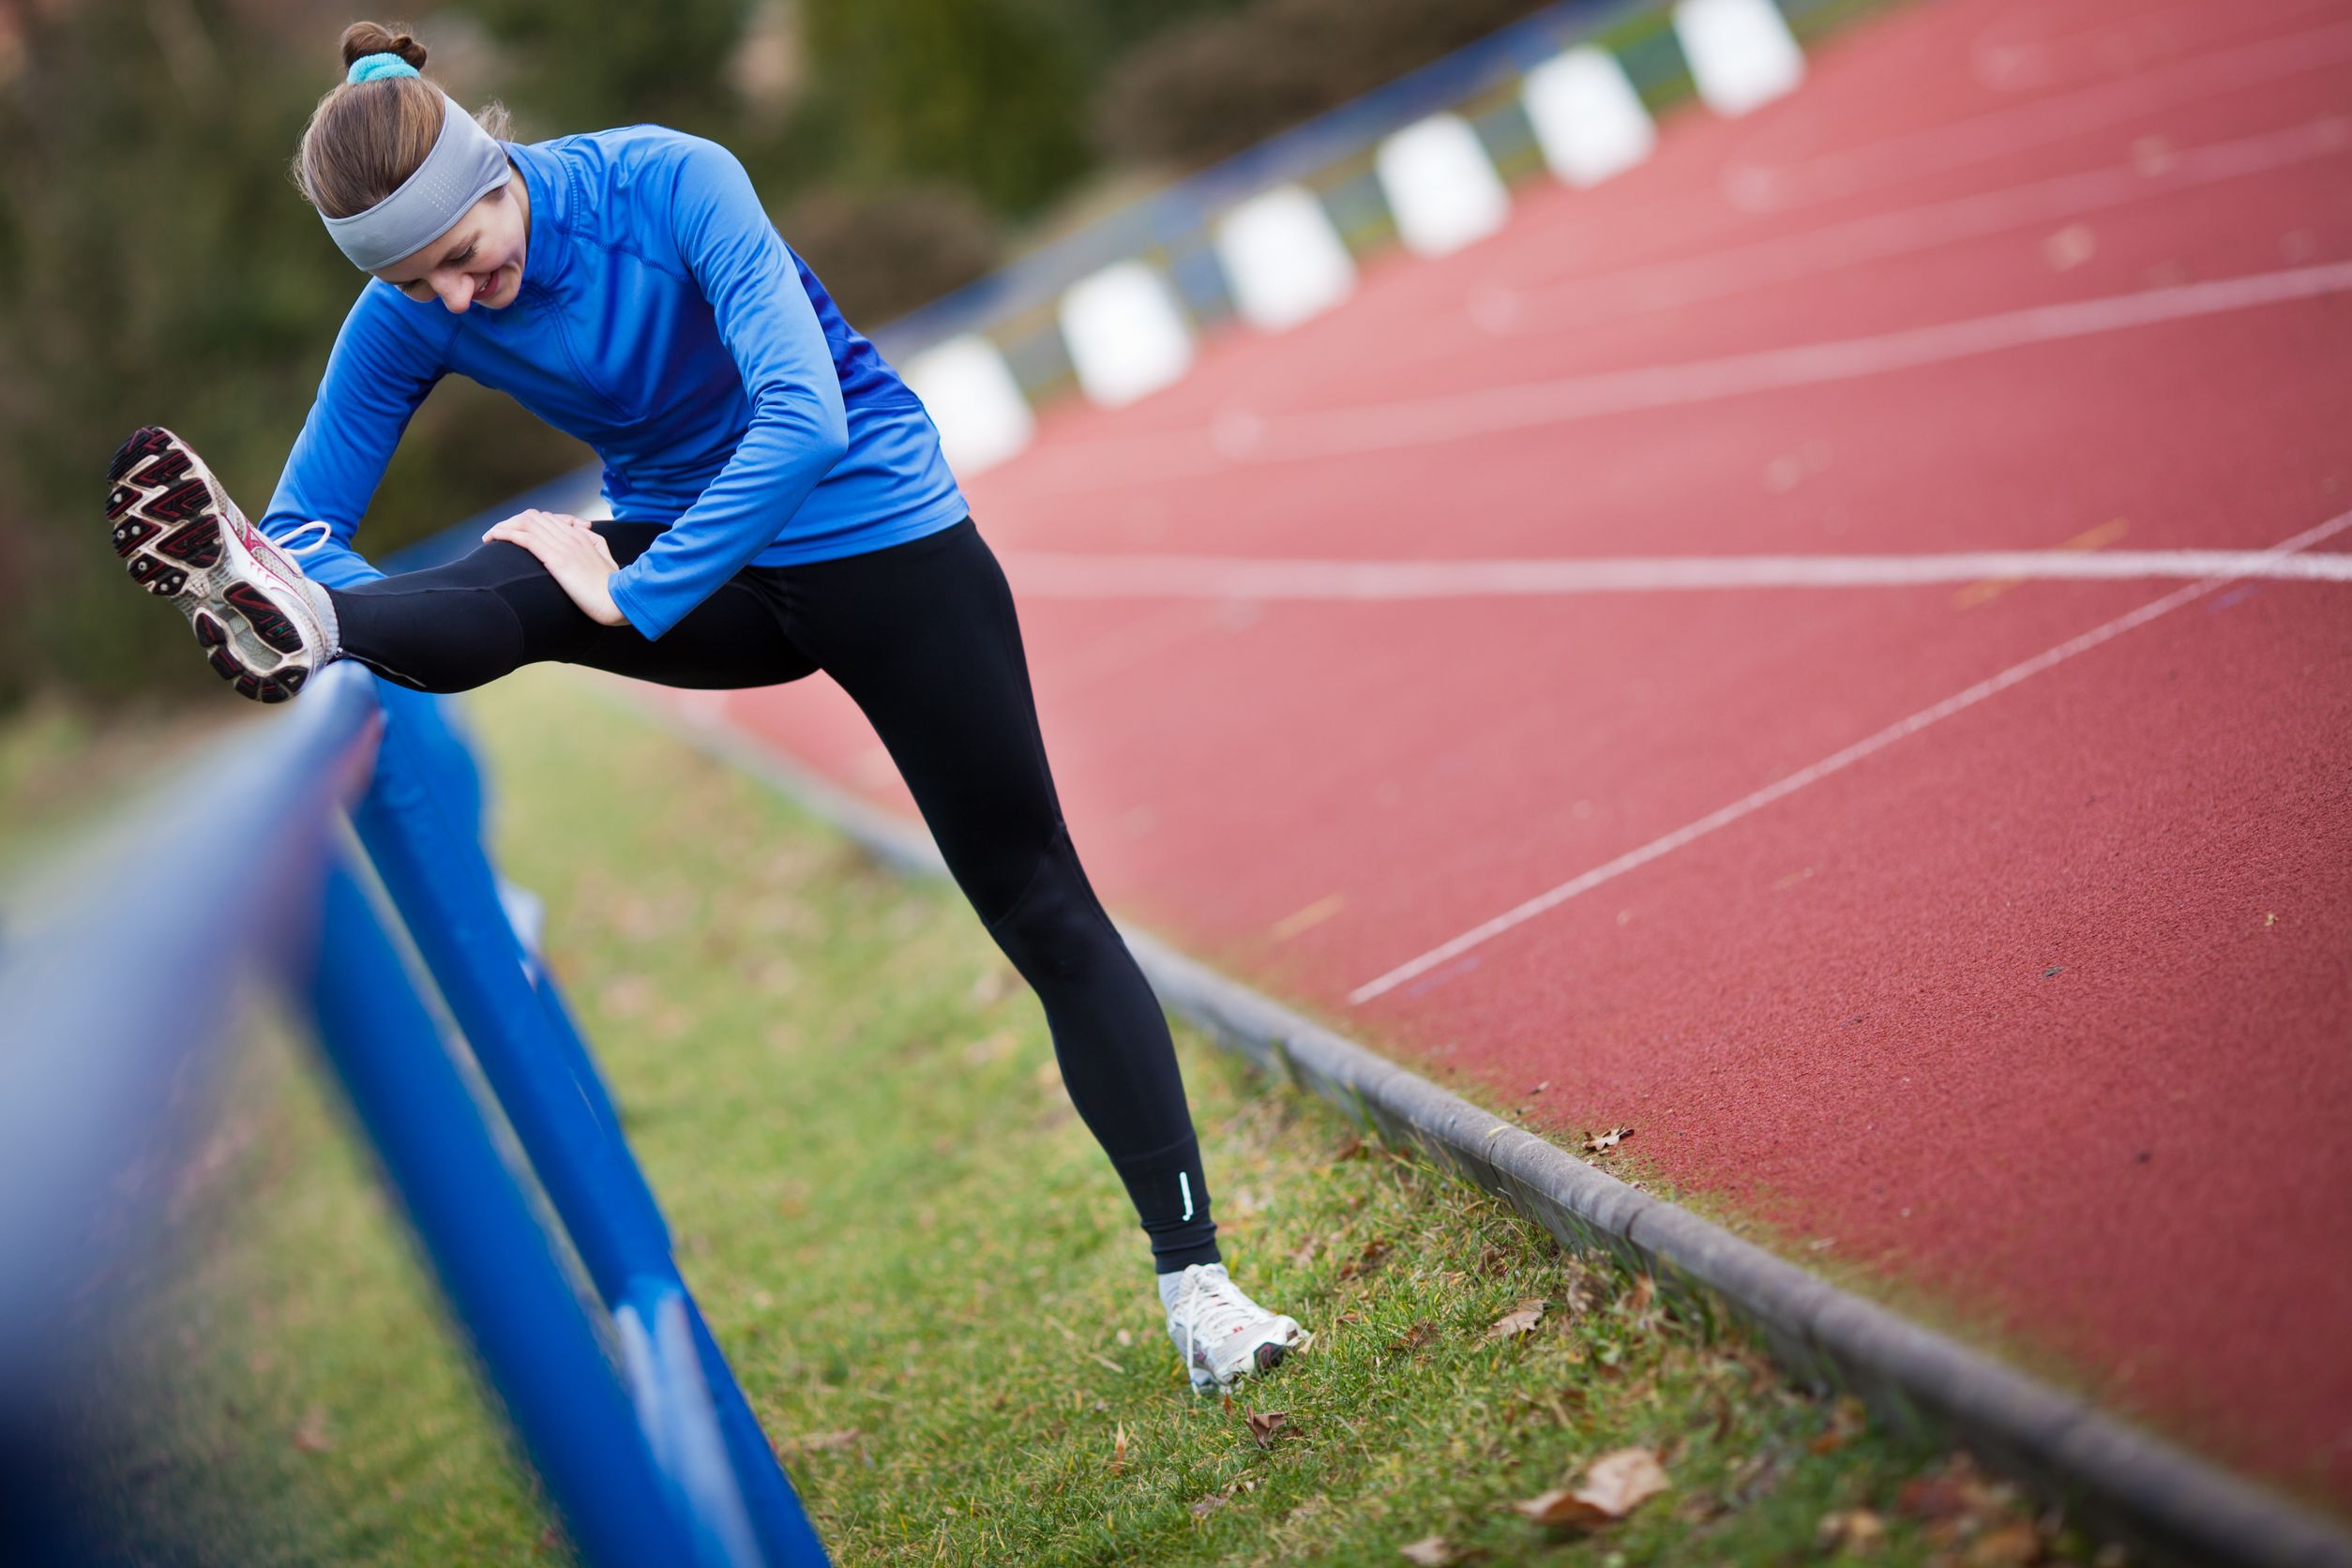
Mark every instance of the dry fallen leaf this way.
pixel 2011 1546
pixel 1374 1252
pixel 1415 1337
pixel 1855 1531
pixel 815 1442
pixel 1638 1299
pixel 1614 1485
pixel 1264 1424
pixel 1933 1499
pixel 1203 1507
pixel 1119 1450
pixel 625 996
pixel 992 1048
pixel 1955 1502
pixel 310 1437
pixel 1752 1477
pixel 1560 1506
pixel 1622 1481
pixel 1518 1320
pixel 1848 1421
pixel 1601 1143
pixel 1430 1551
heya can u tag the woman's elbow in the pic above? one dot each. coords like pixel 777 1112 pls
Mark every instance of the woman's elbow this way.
pixel 803 425
pixel 833 434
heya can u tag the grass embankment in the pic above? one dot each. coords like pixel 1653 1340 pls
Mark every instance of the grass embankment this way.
pixel 927 1278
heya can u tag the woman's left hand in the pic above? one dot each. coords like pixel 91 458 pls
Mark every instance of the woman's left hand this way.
pixel 574 554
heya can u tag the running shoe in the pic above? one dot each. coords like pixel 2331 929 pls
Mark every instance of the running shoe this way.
pixel 1222 1335
pixel 266 628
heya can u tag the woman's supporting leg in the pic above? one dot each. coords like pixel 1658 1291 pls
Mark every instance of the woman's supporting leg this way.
pixel 457 627
pixel 923 637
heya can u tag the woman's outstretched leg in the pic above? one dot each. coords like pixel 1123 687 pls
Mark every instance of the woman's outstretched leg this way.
pixel 496 609
pixel 267 628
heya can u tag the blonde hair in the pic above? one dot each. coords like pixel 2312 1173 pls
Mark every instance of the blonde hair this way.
pixel 365 139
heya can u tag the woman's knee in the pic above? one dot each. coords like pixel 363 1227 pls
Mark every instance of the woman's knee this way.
pixel 1053 927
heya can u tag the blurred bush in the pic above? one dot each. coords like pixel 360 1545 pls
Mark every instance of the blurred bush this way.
pixel 157 266
pixel 980 93
pixel 583 65
pixel 1208 88
pixel 882 253
pixel 160 267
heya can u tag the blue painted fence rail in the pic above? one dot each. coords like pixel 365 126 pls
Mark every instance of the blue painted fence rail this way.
pixel 123 990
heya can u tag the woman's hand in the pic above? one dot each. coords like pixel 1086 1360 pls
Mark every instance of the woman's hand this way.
pixel 574 554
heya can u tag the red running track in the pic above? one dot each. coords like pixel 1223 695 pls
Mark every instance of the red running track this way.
pixel 2033 1018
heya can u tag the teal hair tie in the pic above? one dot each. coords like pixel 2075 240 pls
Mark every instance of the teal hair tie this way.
pixel 375 68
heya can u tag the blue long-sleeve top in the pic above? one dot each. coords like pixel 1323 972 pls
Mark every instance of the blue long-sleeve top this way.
pixel 664 321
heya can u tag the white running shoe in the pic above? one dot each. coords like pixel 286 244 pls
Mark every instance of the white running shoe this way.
pixel 1222 1335
pixel 265 627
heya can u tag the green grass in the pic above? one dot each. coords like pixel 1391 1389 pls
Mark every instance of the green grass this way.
pixel 925 1272
pixel 63 768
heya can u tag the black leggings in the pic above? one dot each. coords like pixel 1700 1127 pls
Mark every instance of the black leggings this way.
pixel 923 637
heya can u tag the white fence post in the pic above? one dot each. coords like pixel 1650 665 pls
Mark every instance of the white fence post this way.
pixel 1588 118
pixel 1283 258
pixel 1126 336
pixel 1440 185
pixel 972 396
pixel 1741 53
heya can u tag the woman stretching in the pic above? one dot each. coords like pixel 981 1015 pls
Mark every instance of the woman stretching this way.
pixel 781 508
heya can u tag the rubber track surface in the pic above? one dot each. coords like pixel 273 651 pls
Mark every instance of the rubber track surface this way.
pixel 2035 1019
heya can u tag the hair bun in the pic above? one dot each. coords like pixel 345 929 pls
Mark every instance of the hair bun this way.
pixel 362 38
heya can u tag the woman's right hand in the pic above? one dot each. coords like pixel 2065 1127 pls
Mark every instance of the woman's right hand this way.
pixel 574 554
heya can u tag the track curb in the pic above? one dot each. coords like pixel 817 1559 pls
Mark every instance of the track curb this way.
pixel 2163 1502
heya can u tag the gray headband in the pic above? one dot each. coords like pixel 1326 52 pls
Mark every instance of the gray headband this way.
pixel 464 166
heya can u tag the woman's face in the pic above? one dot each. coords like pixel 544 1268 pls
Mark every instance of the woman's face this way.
pixel 478 262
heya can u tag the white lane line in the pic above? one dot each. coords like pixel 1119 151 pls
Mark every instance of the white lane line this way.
pixel 2044 60
pixel 1423 421
pixel 1836 763
pixel 1058 575
pixel 1744 269
pixel 1239 435
pixel 2021 127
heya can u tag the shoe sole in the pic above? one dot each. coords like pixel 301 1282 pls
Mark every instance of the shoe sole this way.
pixel 175 540
pixel 1262 1360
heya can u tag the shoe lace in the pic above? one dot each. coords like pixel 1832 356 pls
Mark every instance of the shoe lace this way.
pixel 1211 1305
pixel 327 531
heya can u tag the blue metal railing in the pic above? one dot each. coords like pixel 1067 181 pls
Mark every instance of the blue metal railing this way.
pixel 120 996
